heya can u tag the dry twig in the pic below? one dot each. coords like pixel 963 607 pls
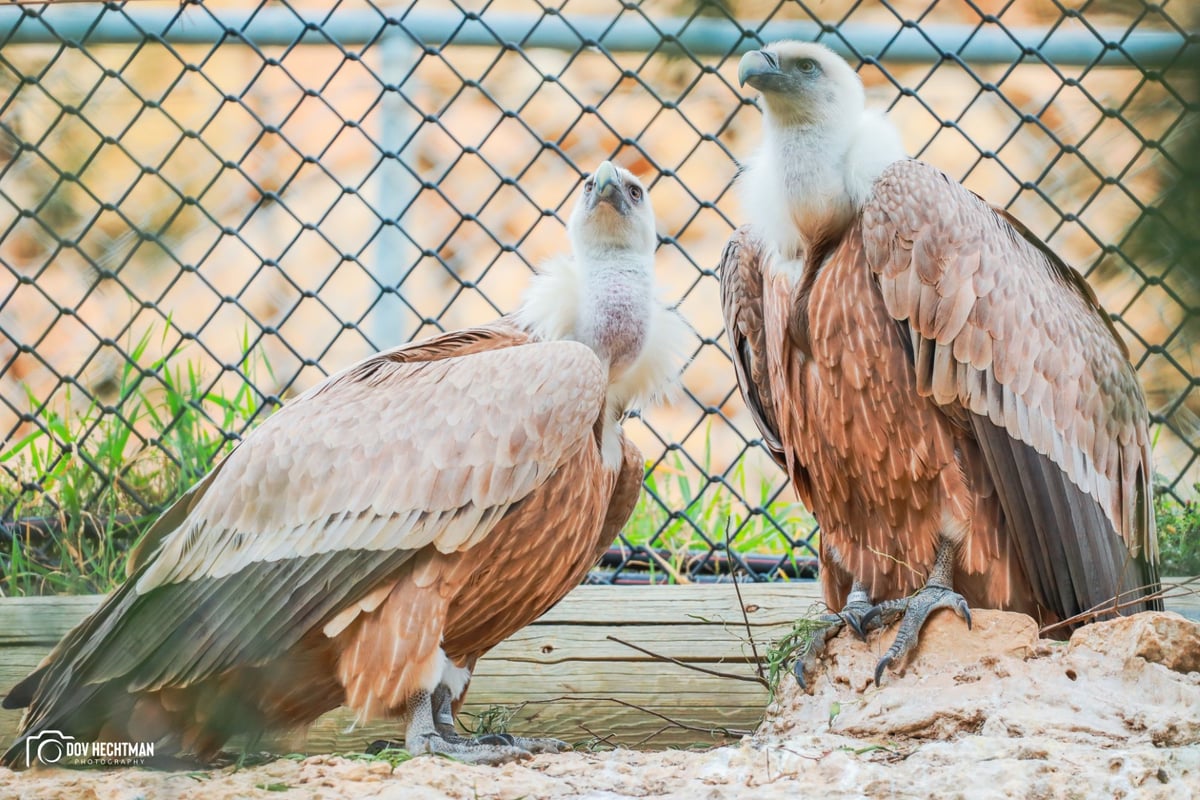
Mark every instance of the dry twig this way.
pixel 1125 599
pixel 758 667
pixel 686 665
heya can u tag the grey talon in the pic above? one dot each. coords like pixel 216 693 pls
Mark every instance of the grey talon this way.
pixel 880 667
pixel 502 739
pixel 798 672
pixel 871 616
pixel 916 611
pixel 542 745
pixel 854 613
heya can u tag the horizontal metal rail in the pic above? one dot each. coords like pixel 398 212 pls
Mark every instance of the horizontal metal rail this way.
pixel 631 32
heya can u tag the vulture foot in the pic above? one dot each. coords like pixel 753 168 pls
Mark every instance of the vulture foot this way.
pixel 491 749
pixel 431 730
pixel 855 613
pixel 912 613
pixel 534 745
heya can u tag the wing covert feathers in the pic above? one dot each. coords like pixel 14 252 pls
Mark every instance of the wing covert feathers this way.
pixel 393 453
pixel 427 445
pixel 1004 329
pixel 743 265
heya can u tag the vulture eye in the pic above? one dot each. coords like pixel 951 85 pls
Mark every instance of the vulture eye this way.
pixel 807 66
pixel 635 192
pixel 587 186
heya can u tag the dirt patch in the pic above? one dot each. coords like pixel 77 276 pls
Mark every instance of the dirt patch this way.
pixel 994 712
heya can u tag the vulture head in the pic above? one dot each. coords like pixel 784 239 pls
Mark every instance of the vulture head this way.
pixel 603 293
pixel 613 215
pixel 803 83
pixel 822 148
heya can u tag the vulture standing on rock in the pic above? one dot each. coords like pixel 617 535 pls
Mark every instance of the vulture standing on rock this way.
pixel 382 531
pixel 947 395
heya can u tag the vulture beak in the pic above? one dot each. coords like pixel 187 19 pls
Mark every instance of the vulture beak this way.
pixel 607 188
pixel 760 69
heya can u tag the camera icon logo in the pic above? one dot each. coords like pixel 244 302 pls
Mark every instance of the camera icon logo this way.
pixel 47 747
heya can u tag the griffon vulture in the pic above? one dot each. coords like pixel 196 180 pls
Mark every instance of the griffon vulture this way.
pixel 383 530
pixel 946 395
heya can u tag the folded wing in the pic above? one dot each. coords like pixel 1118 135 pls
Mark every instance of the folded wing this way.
pixel 743 265
pixel 1011 341
pixel 425 446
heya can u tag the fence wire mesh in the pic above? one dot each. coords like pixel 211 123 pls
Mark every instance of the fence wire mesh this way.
pixel 206 208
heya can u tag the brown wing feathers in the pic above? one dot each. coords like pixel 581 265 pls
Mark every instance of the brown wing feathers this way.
pixel 742 305
pixel 318 530
pixel 1004 329
pixel 183 633
pixel 1066 544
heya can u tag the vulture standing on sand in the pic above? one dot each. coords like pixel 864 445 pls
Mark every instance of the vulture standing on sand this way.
pixel 383 530
pixel 946 394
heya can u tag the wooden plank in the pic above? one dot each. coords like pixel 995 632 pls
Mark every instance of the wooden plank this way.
pixel 563 675
pixel 693 604
pixel 504 679
pixel 558 678
pixel 553 647
pixel 552 644
pixel 563 696
pixel 44 620
pixel 503 682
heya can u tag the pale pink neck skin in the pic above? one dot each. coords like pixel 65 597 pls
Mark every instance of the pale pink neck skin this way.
pixel 615 319
pixel 604 297
pixel 613 241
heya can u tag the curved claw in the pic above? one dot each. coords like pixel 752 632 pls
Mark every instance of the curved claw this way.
pixel 857 616
pixel 798 673
pixel 542 745
pixel 856 625
pixel 873 614
pixel 880 667
pixel 499 739
pixel 807 653
pixel 916 611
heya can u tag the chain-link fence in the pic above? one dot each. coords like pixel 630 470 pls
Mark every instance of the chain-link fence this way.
pixel 205 208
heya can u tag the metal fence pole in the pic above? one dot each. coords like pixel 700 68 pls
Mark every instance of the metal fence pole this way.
pixel 397 188
pixel 988 43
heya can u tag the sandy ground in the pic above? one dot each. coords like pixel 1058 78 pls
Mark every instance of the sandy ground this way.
pixel 991 713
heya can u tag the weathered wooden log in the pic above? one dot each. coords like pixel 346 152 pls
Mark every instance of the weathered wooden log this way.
pixel 572 674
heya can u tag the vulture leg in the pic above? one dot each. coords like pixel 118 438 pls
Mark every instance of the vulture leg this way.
pixel 915 610
pixel 855 614
pixel 539 744
pixel 443 721
pixel 431 730
pixel 428 733
pixel 443 713
pixel 423 736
